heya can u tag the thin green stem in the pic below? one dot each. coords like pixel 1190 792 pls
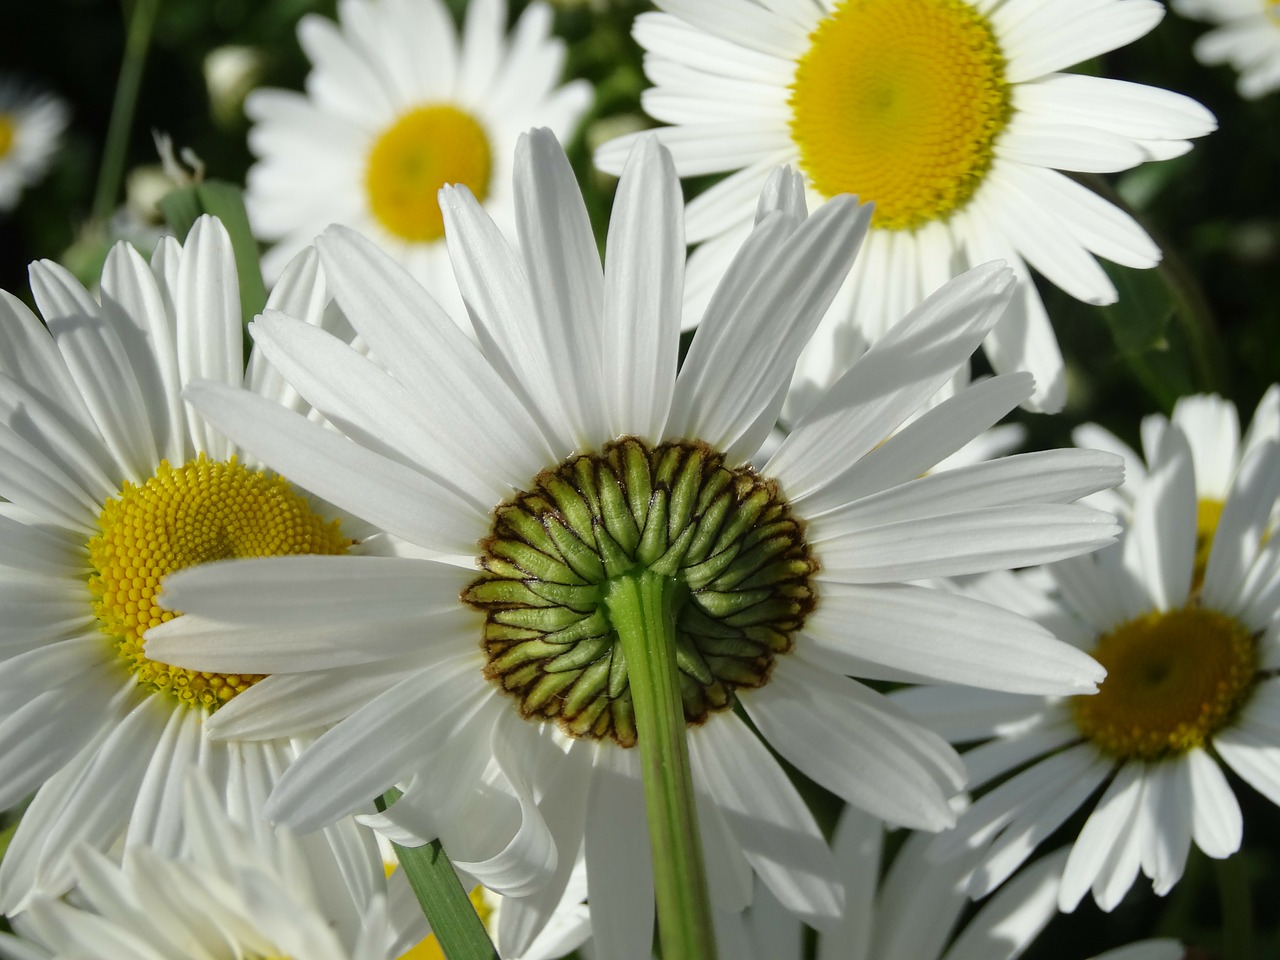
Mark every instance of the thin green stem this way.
pixel 1194 314
pixel 641 609
pixel 457 927
pixel 111 173
pixel 1237 908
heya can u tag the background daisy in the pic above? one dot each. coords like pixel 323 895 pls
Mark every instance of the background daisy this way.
pixel 1246 35
pixel 913 909
pixel 571 357
pixel 237 888
pixel 950 116
pixel 1183 613
pixel 31 126
pixel 397 105
pixel 109 482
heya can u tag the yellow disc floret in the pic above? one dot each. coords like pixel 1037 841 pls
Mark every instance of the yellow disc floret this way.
pixel 7 134
pixel 416 156
pixel 900 102
pixel 1174 678
pixel 201 511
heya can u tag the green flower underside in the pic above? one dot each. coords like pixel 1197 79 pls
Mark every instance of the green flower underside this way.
pixel 728 539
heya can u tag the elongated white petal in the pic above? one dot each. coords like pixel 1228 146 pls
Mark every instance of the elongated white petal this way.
pixel 643 285
pixel 948 638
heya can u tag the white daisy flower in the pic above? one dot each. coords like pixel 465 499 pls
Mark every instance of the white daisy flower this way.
pixel 912 911
pixel 237 889
pixel 563 450
pixel 951 116
pixel 1183 613
pixel 110 482
pixel 31 126
pixel 1246 35
pixel 397 105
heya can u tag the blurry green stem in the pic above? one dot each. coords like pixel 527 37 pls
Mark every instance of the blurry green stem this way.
pixel 641 609
pixel 111 173
pixel 1237 909
pixel 458 929
pixel 1194 315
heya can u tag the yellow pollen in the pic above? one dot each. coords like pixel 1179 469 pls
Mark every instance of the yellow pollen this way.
pixel 900 102
pixel 1174 678
pixel 7 132
pixel 416 156
pixel 202 511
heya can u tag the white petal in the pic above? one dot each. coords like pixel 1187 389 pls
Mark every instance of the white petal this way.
pixel 1088 862
pixel 619 869
pixel 381 491
pixel 563 263
pixel 948 638
pixel 643 287
pixel 768 818
pixel 206 306
pixel 856 744
pixel 890 381
pixel 967 542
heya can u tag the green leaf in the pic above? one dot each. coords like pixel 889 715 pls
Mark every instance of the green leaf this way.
pixel 184 205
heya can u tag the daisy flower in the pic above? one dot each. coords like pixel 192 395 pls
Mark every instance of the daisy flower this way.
pixel 1246 35
pixel 1183 613
pixel 561 450
pixel 912 911
pixel 951 116
pixel 397 105
pixel 238 888
pixel 110 482
pixel 31 126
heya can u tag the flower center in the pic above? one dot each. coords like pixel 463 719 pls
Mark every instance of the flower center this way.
pixel 726 536
pixel 415 157
pixel 6 134
pixel 202 511
pixel 1174 678
pixel 900 102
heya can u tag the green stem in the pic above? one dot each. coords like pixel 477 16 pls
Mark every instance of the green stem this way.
pixel 1194 314
pixel 641 609
pixel 111 173
pixel 1237 908
pixel 457 927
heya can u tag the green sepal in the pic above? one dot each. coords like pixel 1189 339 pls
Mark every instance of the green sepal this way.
pixel 581 557
pixel 581 655
pixel 528 562
pixel 653 539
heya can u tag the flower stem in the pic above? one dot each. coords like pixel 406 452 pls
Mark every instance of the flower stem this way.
pixel 458 929
pixel 111 173
pixel 641 609
pixel 1237 908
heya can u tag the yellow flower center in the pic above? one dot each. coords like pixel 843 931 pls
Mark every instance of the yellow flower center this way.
pixel 7 131
pixel 415 157
pixel 900 102
pixel 202 511
pixel 1174 678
